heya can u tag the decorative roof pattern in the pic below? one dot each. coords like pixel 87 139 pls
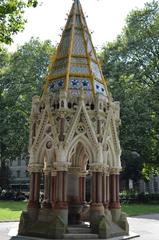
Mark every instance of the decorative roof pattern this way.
pixel 76 64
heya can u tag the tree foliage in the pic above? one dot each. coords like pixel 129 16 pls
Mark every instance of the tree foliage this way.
pixel 12 17
pixel 21 77
pixel 131 64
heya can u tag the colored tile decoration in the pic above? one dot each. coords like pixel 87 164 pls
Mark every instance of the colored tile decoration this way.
pixel 78 45
pixel 99 88
pixel 56 85
pixel 89 46
pixel 64 45
pixel 60 62
pixel 60 67
pixel 86 84
pixel 59 70
pixel 79 60
pixel 96 70
pixel 77 83
pixel 79 69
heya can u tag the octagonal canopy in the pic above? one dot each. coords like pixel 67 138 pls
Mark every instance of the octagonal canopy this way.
pixel 75 64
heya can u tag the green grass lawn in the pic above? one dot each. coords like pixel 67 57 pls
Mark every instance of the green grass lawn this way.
pixel 140 209
pixel 11 210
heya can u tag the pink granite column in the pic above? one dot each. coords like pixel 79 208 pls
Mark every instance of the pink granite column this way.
pixel 96 207
pixel 97 187
pixel 31 194
pixel 82 189
pixel 61 202
pixel 107 189
pixel 37 189
pixel 34 190
pixel 104 190
pixel 53 190
pixel 93 187
pixel 117 191
pixel 114 191
pixel 46 202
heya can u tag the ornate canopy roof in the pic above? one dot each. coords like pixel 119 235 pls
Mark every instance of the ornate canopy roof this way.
pixel 75 64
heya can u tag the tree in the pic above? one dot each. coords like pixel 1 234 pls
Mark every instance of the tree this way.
pixel 131 64
pixel 21 77
pixel 11 17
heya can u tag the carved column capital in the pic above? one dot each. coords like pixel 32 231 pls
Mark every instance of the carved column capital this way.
pixel 96 167
pixel 115 170
pixel 106 169
pixel 61 166
pixel 36 167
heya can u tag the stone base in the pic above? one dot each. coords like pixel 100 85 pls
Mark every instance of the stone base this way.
pixel 108 223
pixel 44 224
pixel 96 213
pixel 53 223
pixel 113 224
pixel 130 236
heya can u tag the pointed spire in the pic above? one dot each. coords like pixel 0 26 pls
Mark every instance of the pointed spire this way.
pixel 76 63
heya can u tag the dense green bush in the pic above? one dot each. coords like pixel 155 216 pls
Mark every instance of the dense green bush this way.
pixel 134 197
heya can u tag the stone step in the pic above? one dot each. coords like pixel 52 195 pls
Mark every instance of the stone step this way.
pixel 78 230
pixel 80 236
pixel 81 225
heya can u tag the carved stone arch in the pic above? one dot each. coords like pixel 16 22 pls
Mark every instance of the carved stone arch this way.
pixel 45 150
pixel 87 123
pixel 80 156
pixel 85 142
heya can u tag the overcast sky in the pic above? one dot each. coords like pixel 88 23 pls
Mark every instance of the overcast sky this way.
pixel 106 19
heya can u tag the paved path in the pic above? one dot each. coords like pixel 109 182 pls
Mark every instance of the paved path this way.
pixel 147 226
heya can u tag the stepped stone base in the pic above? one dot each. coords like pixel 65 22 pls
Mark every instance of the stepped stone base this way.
pixel 131 236
pixel 44 223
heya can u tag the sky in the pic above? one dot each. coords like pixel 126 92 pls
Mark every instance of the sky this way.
pixel 106 18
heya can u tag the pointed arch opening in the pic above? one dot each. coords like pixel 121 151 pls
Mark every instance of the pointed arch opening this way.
pixel 80 155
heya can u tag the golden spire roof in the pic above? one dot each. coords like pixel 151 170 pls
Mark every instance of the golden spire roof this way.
pixel 75 64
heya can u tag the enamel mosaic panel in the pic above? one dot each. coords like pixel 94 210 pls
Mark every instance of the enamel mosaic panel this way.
pixel 79 60
pixel 78 45
pixel 99 88
pixel 89 46
pixel 79 69
pixel 56 85
pixel 95 70
pixel 80 82
pixel 64 45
